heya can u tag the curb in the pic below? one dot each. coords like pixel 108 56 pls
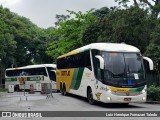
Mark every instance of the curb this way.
pixel 153 102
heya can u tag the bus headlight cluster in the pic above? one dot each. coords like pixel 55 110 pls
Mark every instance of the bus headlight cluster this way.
pixel 109 98
pixel 144 90
pixel 109 91
pixel 144 98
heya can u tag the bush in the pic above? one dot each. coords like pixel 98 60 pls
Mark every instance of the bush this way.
pixel 153 93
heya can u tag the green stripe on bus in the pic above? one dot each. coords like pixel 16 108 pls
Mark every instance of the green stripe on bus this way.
pixel 78 78
pixel 74 78
pixel 137 89
pixel 34 78
pixel 10 79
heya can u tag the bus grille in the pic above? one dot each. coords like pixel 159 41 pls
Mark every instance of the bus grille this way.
pixel 126 93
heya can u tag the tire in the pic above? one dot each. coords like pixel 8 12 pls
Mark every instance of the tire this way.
pixel 90 96
pixel 58 91
pixel 61 89
pixel 64 90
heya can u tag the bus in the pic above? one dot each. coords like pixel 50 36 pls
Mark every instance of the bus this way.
pixel 105 72
pixel 32 75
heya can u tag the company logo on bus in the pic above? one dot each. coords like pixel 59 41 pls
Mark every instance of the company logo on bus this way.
pixel 65 73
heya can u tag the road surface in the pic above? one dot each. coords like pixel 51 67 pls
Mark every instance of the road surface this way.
pixel 37 102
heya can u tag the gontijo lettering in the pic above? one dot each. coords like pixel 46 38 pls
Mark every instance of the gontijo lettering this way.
pixel 65 73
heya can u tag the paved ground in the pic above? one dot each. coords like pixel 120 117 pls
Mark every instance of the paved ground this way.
pixel 37 102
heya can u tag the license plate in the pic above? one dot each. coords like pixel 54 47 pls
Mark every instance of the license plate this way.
pixel 127 99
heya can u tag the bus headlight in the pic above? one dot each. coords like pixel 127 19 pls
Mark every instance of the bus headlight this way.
pixel 109 91
pixel 143 91
pixel 144 98
pixel 109 98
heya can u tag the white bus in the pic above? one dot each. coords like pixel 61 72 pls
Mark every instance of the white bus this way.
pixel 31 74
pixel 106 72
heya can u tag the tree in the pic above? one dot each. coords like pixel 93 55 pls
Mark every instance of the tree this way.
pixel 7 40
pixel 129 25
pixel 153 50
pixel 22 42
pixel 68 34
pixel 153 5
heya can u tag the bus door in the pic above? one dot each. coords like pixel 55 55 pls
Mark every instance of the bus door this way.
pixel 53 78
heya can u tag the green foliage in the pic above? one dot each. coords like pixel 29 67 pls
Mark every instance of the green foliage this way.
pixel 68 34
pixel 22 42
pixel 153 49
pixel 7 39
pixel 118 25
pixel 153 93
pixel 152 5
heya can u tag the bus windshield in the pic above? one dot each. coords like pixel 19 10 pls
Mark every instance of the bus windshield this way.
pixel 123 65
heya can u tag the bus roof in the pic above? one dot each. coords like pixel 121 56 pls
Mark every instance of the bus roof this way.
pixel 110 47
pixel 33 66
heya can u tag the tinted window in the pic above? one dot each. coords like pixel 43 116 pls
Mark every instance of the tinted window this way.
pixel 96 64
pixel 75 61
pixel 28 72
pixel 51 73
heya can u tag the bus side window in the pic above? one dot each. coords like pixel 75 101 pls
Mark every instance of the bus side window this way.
pixel 97 69
pixel 87 60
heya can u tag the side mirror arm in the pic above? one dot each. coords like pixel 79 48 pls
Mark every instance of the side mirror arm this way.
pixel 151 65
pixel 101 60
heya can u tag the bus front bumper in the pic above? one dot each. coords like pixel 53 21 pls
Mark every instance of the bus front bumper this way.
pixel 111 98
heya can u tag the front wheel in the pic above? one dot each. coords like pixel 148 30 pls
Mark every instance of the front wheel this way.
pixel 90 97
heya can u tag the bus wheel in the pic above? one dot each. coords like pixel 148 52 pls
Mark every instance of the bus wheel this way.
pixel 58 91
pixel 64 90
pixel 61 89
pixel 90 96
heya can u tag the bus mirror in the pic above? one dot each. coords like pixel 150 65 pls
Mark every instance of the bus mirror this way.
pixel 101 60
pixel 150 62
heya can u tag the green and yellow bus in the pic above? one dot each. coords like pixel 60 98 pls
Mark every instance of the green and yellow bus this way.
pixel 106 72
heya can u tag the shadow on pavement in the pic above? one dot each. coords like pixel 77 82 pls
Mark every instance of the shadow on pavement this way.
pixel 105 105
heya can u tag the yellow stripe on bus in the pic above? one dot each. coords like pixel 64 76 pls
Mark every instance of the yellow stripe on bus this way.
pixel 116 89
pixel 70 53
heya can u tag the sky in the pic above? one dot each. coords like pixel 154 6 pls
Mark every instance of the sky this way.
pixel 43 12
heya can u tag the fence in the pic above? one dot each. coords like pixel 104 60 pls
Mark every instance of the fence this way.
pixel 10 95
pixel 43 88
